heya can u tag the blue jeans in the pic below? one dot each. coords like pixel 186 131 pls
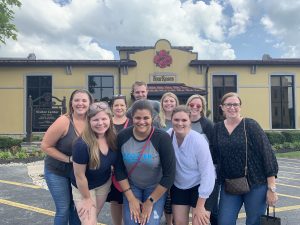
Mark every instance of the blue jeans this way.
pixel 254 203
pixel 60 189
pixel 142 195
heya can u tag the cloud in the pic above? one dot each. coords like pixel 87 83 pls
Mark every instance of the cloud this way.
pixel 91 29
pixel 281 20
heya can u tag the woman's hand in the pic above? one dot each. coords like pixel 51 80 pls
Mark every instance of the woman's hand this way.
pixel 84 209
pixel 147 207
pixel 272 198
pixel 135 209
pixel 200 216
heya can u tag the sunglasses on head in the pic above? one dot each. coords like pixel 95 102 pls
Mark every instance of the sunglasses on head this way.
pixel 192 105
pixel 99 105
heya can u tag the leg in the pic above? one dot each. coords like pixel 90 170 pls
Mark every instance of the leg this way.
pixel 181 214
pixel 229 207
pixel 255 204
pixel 73 216
pixel 116 212
pixel 138 193
pixel 158 206
pixel 91 218
pixel 59 188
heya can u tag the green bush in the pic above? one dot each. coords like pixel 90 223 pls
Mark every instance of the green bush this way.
pixel 275 137
pixel 8 142
pixel 6 155
pixel 291 136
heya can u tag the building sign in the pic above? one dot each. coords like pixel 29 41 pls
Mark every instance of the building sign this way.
pixel 163 78
pixel 42 118
pixel 162 59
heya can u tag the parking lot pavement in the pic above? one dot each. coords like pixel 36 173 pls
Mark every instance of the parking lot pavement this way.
pixel 22 202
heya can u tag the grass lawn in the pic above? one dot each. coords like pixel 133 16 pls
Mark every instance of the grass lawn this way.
pixel 294 155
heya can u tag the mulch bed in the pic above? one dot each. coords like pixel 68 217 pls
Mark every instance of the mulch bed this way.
pixel 27 160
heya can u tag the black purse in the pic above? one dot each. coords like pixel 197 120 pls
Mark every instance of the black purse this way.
pixel 239 186
pixel 270 220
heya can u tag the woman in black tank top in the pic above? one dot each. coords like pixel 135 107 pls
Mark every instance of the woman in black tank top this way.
pixel 57 144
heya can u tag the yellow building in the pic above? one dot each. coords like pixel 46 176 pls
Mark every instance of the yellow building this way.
pixel 268 87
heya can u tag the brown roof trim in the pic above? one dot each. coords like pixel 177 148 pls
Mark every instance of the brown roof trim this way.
pixel 180 89
pixel 271 62
pixel 101 63
pixel 141 48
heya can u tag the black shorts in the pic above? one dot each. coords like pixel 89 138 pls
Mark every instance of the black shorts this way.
pixel 114 195
pixel 184 197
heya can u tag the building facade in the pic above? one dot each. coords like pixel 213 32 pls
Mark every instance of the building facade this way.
pixel 269 88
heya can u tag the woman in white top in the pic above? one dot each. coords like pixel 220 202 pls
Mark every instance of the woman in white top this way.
pixel 195 172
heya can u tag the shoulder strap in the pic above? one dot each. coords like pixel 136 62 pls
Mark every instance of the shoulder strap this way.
pixel 246 140
pixel 143 149
pixel 126 123
pixel 75 129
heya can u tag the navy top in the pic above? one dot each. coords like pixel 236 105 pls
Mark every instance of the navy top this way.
pixel 231 149
pixel 95 177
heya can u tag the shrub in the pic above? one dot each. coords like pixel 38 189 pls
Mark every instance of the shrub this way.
pixel 6 155
pixel 291 136
pixel 8 142
pixel 275 137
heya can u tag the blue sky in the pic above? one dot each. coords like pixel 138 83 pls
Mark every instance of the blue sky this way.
pixel 219 29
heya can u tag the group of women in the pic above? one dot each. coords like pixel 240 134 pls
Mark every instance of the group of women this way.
pixel 175 167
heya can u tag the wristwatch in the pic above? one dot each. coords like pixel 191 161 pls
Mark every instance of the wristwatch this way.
pixel 151 199
pixel 272 189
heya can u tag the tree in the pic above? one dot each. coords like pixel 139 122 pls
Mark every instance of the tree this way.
pixel 7 28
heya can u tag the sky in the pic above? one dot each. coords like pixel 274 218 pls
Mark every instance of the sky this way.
pixel 216 29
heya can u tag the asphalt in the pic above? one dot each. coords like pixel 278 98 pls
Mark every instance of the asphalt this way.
pixel 22 202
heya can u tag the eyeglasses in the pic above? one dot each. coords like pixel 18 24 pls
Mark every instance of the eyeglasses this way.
pixel 99 105
pixel 192 105
pixel 229 105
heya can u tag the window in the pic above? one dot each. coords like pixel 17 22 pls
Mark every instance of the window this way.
pixel 38 86
pixel 282 102
pixel 222 84
pixel 101 87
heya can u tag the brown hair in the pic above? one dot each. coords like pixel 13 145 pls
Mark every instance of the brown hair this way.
pixel 229 95
pixel 203 112
pixel 137 83
pixel 181 108
pixel 90 137
pixel 71 110
pixel 162 115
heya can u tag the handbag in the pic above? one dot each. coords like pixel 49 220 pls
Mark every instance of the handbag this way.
pixel 113 177
pixel 239 186
pixel 270 220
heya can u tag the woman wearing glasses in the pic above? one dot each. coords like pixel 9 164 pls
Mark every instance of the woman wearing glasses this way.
pixel 145 167
pixel 120 121
pixel 94 153
pixel 201 124
pixel 57 144
pixel 244 151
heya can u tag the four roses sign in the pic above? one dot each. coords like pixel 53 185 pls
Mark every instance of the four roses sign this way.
pixel 162 59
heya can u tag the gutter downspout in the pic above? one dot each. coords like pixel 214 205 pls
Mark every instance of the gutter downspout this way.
pixel 119 77
pixel 206 84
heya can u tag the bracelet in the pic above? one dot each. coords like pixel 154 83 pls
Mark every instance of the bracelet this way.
pixel 70 159
pixel 127 189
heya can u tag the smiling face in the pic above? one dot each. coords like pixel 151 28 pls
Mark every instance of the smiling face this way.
pixel 231 107
pixel 142 122
pixel 80 103
pixel 168 104
pixel 119 107
pixel 100 123
pixel 140 92
pixel 196 107
pixel 181 123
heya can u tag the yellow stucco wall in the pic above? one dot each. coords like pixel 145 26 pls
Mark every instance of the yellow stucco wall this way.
pixel 254 89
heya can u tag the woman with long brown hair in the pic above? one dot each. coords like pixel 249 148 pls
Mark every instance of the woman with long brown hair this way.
pixel 93 155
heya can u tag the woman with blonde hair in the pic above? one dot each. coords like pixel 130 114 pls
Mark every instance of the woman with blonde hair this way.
pixel 57 144
pixel 93 155
pixel 168 102
pixel 201 124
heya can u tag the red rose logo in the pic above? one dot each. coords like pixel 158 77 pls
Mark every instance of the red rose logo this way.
pixel 162 59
